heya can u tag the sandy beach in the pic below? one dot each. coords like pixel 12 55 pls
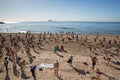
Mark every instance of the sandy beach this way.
pixel 41 49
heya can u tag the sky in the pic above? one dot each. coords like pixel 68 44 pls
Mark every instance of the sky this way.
pixel 59 10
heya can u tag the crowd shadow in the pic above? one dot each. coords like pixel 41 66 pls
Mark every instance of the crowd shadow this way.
pixel 18 60
pixel 109 77
pixel 41 47
pixel 72 41
pixel 1 68
pixel 79 71
pixel 116 63
pixel 114 54
pixel 36 51
pixel 64 51
pixel 97 54
pixel 116 68
pixel 93 78
pixel 59 55
pixel 15 71
pixel 24 76
pixel 7 76
pixel 30 59
pixel 59 78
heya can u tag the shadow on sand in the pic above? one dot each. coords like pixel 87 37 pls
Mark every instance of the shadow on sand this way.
pixel 59 55
pixel 30 59
pixel 109 77
pixel 7 76
pixel 116 63
pixel 63 51
pixel 36 51
pixel 59 78
pixel 15 71
pixel 1 68
pixel 116 68
pixel 79 71
pixel 24 76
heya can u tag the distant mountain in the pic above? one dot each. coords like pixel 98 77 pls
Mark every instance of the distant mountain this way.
pixel 2 23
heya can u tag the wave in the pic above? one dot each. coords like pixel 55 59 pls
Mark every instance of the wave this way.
pixel 7 26
pixel 21 31
pixel 64 27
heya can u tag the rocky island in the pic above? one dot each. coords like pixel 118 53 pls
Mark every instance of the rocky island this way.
pixel 2 23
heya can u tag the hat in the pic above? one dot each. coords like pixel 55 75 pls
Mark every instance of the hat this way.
pixel 6 57
pixel 56 61
pixel 30 65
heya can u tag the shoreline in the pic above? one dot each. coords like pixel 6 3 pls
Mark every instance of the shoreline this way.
pixel 59 33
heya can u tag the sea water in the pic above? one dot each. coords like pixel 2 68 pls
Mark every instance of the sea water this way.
pixel 63 26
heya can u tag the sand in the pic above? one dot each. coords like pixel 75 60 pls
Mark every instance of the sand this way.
pixel 78 49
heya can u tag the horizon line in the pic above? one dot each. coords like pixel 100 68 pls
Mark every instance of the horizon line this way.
pixel 55 21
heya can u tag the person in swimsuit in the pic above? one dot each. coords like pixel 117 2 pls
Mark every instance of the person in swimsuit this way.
pixel 70 59
pixel 98 74
pixel 56 67
pixel 93 62
pixel 6 63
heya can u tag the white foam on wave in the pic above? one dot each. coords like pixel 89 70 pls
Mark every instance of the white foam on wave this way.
pixel 11 22
pixel 22 31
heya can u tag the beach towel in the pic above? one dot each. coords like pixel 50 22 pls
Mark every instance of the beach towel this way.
pixel 46 65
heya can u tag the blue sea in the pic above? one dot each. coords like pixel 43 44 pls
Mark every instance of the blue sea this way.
pixel 63 26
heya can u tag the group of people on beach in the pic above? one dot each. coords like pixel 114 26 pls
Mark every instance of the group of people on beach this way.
pixel 24 42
